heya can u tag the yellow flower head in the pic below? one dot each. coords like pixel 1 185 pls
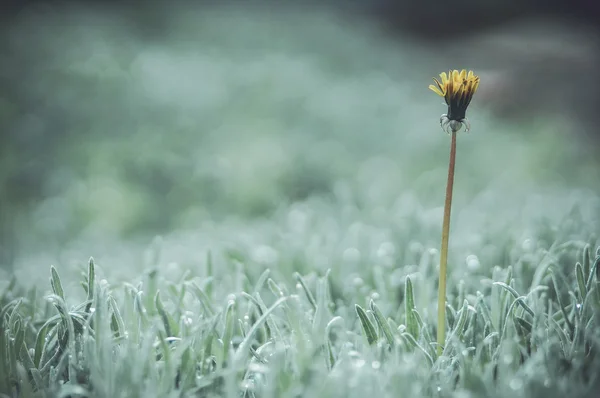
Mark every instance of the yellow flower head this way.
pixel 457 88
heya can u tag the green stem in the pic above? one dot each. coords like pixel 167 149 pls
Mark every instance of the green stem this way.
pixel 441 330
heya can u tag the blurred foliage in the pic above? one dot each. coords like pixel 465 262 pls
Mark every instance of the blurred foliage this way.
pixel 225 114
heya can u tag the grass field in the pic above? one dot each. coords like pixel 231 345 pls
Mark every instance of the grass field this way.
pixel 264 214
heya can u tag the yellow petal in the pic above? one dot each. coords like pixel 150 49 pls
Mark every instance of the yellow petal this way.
pixel 436 90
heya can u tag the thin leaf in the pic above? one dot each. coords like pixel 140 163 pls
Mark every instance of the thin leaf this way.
pixel 462 320
pixel 242 350
pixel 587 260
pixel 91 283
pixel 116 315
pixel 411 340
pixel 202 297
pixel 560 304
pixel 367 326
pixel 56 284
pixel 163 314
pixel 228 328
pixel 580 281
pixel 275 289
pixel 384 327
pixel 412 326
pixel 520 299
pixel 307 292
pixel 260 283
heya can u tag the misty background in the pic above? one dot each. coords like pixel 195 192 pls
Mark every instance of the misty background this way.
pixel 274 131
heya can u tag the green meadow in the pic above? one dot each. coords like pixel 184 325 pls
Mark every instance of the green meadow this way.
pixel 249 204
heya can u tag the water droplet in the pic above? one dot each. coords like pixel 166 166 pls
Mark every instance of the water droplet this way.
pixel 376 365
pixel 473 263
pixel 92 310
pixel 375 296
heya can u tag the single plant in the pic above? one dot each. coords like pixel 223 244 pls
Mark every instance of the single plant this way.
pixel 457 88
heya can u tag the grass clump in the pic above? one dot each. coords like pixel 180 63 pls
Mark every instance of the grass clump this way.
pixel 299 337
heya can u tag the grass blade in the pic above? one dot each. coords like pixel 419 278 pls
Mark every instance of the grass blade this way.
pixel 307 292
pixel 412 325
pixel 580 281
pixel 367 326
pixel 228 328
pixel 560 304
pixel 242 351
pixel 384 326
pixel 56 284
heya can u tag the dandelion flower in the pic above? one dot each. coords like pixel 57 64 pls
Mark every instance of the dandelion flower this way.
pixel 457 88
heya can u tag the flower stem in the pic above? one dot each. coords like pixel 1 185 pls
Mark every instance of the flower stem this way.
pixel 441 329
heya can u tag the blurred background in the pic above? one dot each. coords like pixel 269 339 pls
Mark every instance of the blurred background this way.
pixel 209 123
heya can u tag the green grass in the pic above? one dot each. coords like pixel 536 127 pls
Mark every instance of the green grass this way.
pixel 292 195
pixel 224 329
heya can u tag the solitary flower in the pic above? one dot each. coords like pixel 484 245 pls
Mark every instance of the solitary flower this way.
pixel 457 88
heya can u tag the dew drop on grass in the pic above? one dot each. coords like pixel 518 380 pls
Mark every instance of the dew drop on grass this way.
pixel 92 310
pixel 376 365
pixel 231 299
pixel 375 296
pixel 473 263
